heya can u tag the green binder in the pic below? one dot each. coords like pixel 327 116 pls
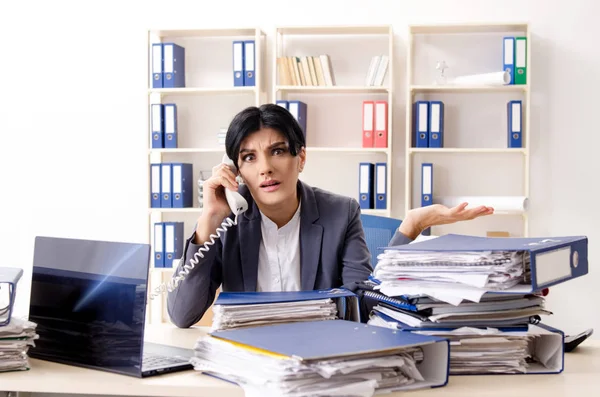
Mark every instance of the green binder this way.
pixel 521 60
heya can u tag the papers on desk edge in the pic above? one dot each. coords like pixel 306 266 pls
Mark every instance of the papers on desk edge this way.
pixel 323 358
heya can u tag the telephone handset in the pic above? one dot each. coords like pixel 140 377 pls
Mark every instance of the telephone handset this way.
pixel 237 204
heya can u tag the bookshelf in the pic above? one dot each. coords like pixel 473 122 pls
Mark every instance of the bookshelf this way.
pixel 475 121
pixel 204 106
pixel 326 67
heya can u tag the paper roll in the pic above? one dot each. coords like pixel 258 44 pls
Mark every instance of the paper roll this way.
pixel 495 78
pixel 500 204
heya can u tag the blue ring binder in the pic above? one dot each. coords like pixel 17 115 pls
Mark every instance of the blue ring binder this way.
pixel 9 277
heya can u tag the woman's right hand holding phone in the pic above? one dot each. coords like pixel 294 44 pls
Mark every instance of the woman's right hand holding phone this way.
pixel 215 206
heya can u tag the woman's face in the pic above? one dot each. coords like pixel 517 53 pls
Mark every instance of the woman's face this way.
pixel 268 168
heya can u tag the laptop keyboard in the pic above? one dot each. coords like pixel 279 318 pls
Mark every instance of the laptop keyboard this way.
pixel 156 360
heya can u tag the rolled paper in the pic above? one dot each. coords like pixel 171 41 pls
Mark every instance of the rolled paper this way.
pixel 501 204
pixel 495 78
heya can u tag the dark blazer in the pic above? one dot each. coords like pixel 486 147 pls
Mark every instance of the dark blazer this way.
pixel 333 253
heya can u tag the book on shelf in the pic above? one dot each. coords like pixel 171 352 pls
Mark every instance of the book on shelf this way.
pixel 305 71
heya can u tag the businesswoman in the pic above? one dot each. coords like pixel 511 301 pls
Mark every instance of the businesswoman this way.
pixel 292 236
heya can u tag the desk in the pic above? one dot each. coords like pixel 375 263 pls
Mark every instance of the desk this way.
pixel 580 377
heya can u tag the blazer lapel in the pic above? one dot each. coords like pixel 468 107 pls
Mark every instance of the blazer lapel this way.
pixel 250 240
pixel 311 235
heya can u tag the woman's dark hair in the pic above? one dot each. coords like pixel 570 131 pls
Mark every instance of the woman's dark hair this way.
pixel 254 118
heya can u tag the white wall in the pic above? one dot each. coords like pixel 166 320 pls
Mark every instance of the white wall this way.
pixel 73 110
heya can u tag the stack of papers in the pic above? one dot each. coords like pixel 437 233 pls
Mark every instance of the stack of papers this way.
pixel 322 358
pixel 15 340
pixel 251 315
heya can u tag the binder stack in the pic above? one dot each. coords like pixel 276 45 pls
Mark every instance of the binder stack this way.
pixel 486 295
pixel 16 334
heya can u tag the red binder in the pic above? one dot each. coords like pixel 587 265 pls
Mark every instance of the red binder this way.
pixel 381 124
pixel 368 118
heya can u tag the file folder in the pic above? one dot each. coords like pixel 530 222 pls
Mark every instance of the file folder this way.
pixel 381 186
pixel 365 185
pixel 166 185
pixel 520 60
pixel 157 65
pixel 249 63
pixel 551 260
pixel 426 184
pixel 173 66
pixel 436 124
pixel 159 244
pixel 174 240
pixel 381 124
pixel 155 185
pixel 157 123
pixel 347 301
pixel 508 64
pixel 182 185
pixel 329 340
pixel 170 129
pixel 421 124
pixel 368 119
pixel 282 103
pixel 9 277
pixel 238 63
pixel 299 110
pixel 515 124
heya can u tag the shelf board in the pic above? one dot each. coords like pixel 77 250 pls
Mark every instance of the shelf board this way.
pixel 469 88
pixel 467 150
pixel 335 30
pixel 189 150
pixel 494 27
pixel 308 149
pixel 333 89
pixel 189 210
pixel 179 33
pixel 375 212
pixel 202 90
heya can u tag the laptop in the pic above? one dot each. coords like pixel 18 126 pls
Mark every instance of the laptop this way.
pixel 88 299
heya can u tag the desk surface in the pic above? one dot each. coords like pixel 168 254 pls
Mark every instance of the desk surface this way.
pixel 580 377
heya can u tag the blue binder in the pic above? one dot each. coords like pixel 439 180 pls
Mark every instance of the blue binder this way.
pixel 552 260
pixel 380 186
pixel 366 183
pixel 421 124
pixel 155 185
pixel 182 185
pixel 174 240
pixel 249 63
pixel 170 125
pixel 313 341
pixel 157 65
pixel 157 125
pixel 282 103
pixel 514 110
pixel 159 244
pixel 508 63
pixel 9 277
pixel 173 66
pixel 238 63
pixel 299 110
pixel 347 301
pixel 426 184
pixel 436 124
pixel 166 185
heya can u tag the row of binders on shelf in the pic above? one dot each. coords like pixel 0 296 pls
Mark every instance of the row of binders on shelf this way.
pixel 428 124
pixel 375 124
pixel 171 185
pixel 163 125
pixel 515 58
pixel 451 305
pixel 168 244
pixel 372 185
pixel 305 71
pixel 298 109
pixel 168 64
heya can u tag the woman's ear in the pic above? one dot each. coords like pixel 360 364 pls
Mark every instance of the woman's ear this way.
pixel 302 156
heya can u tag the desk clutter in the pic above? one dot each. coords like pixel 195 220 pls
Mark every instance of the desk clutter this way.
pixel 16 335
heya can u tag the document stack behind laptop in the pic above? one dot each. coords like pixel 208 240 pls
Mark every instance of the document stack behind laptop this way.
pixel 16 334
pixel 483 294
pixel 311 343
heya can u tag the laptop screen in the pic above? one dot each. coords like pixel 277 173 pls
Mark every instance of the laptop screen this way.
pixel 88 299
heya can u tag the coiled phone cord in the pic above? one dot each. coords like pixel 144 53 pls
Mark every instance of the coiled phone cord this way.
pixel 186 268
